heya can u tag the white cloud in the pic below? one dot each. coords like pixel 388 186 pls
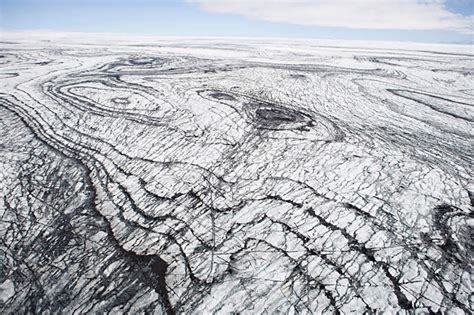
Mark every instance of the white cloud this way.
pixel 368 14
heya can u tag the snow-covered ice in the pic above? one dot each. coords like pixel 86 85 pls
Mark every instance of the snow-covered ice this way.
pixel 185 175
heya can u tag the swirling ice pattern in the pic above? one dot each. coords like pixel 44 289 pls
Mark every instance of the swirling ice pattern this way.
pixel 259 180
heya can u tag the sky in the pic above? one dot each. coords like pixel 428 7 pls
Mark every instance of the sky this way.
pixel 444 21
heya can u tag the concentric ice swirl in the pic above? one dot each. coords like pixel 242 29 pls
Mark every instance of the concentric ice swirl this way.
pixel 219 176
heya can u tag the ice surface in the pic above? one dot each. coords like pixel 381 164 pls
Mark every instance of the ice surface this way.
pixel 184 175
